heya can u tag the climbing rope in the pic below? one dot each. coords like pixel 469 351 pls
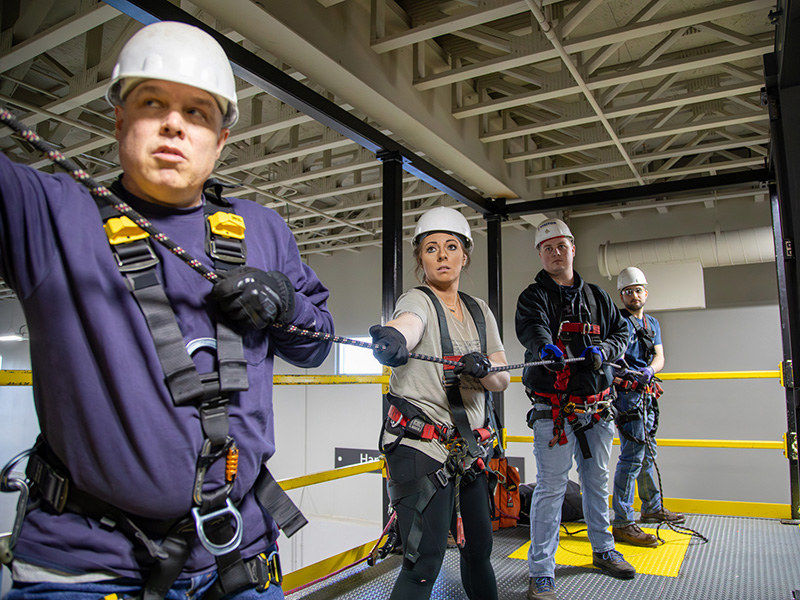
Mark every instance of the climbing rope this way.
pixel 98 190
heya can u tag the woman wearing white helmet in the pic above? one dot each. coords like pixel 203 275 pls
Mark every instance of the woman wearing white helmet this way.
pixel 429 482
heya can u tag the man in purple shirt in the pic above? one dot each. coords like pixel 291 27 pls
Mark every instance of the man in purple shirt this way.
pixel 153 387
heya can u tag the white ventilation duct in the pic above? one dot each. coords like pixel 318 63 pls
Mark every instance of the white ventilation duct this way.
pixel 721 249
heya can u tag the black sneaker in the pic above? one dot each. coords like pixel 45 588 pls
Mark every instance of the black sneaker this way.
pixel 613 563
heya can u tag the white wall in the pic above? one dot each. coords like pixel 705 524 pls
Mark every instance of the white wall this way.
pixel 739 330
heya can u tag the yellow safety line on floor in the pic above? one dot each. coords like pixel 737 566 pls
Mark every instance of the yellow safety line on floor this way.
pixel 340 473
pixel 664 560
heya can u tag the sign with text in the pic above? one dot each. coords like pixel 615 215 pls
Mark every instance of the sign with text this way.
pixel 346 457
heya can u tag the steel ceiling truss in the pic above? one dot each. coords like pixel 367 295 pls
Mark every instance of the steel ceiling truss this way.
pixel 662 91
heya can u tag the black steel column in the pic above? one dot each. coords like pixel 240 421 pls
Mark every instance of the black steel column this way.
pixel 783 100
pixel 494 263
pixel 392 271
pixel 784 253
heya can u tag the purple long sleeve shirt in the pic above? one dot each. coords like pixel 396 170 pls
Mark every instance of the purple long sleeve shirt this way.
pixel 98 385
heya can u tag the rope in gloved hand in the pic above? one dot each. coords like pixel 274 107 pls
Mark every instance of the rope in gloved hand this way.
pixel 98 190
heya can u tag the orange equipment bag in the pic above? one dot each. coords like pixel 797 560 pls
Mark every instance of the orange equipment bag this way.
pixel 506 494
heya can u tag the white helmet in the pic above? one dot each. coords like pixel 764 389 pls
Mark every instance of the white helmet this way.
pixel 443 218
pixel 177 52
pixel 630 276
pixel 552 228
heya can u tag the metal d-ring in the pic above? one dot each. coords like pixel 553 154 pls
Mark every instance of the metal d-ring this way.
pixel 229 546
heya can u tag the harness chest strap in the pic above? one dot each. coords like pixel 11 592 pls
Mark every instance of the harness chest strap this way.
pixel 451 380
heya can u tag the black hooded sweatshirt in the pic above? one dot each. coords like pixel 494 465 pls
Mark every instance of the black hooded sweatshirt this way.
pixel 542 307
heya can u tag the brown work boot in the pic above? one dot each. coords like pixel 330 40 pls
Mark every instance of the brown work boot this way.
pixel 542 588
pixel 662 514
pixel 613 563
pixel 633 535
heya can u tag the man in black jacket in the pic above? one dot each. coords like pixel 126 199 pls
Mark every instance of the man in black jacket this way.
pixel 559 316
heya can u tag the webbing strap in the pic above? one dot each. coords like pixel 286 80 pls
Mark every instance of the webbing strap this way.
pixel 180 373
pixel 643 333
pixel 425 489
pixel 277 503
pixel 452 389
pixel 177 546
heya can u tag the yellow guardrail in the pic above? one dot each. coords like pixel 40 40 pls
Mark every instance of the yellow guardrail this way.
pixel 11 377
pixel 679 443
pixel 292 483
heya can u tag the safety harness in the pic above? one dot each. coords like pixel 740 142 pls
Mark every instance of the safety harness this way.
pixel 648 395
pixel 214 520
pixel 646 336
pixel 407 420
pixel 566 406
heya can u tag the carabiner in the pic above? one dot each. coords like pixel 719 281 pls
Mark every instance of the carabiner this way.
pixel 230 545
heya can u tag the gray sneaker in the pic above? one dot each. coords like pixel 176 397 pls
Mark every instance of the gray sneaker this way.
pixel 542 588
pixel 613 563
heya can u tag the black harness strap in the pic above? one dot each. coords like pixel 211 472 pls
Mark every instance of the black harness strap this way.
pixel 425 488
pixel 451 381
pixel 645 335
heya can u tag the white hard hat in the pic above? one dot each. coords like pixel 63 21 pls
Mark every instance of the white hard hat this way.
pixel 177 52
pixel 443 218
pixel 630 276
pixel 552 228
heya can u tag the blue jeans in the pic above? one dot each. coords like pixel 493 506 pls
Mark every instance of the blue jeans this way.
pixel 552 473
pixel 183 589
pixel 635 464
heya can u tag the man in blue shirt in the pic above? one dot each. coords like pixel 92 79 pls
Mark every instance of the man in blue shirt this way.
pixel 638 413
pixel 153 387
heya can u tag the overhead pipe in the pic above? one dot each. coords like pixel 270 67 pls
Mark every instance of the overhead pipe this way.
pixel 720 249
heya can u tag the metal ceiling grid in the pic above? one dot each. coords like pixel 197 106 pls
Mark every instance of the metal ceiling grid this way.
pixel 563 97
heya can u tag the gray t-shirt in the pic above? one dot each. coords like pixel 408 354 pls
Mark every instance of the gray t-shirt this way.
pixel 421 382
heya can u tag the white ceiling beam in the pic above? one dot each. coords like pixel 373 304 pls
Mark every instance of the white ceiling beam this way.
pixel 539 53
pixel 603 54
pixel 676 130
pixel 327 46
pixel 494 9
pixel 86 18
pixel 658 70
pixel 551 35
pixel 730 91
pixel 709 167
pixel 748 142
pixel 577 16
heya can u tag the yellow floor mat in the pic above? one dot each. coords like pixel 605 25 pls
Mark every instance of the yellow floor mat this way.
pixel 664 560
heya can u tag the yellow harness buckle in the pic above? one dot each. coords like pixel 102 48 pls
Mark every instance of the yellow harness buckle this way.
pixel 121 230
pixel 225 224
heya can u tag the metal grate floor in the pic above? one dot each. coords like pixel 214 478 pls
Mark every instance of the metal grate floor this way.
pixel 745 559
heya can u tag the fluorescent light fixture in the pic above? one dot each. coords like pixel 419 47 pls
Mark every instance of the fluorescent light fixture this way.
pixel 14 337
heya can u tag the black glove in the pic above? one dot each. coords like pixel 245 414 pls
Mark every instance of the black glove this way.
pixel 594 354
pixel 554 354
pixel 255 297
pixel 395 352
pixel 475 364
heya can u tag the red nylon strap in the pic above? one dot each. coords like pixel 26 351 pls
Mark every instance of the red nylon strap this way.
pixel 453 358
pixel 584 328
pixel 555 401
pixel 429 432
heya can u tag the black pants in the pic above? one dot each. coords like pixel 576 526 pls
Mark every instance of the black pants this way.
pixel 416 580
